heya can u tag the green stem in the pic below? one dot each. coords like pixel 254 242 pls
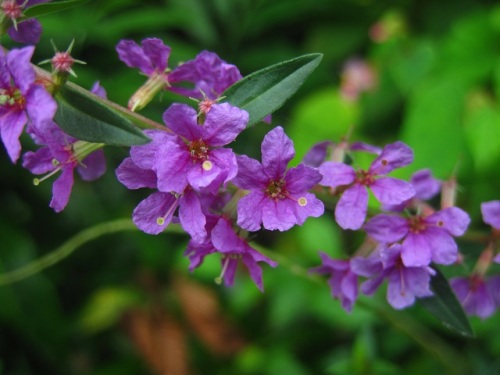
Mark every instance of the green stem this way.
pixel 66 249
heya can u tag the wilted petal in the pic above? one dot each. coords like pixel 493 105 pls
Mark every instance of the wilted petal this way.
pixel 350 212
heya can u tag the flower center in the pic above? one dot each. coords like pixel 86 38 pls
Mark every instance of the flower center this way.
pixel 417 224
pixel 198 150
pixel 11 9
pixel 364 178
pixel 13 98
pixel 276 190
pixel 62 62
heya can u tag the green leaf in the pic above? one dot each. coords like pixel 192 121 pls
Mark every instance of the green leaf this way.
pixel 47 8
pixel 266 90
pixel 445 306
pixel 85 116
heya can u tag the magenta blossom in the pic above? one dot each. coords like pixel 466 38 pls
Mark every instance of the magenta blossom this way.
pixel 477 294
pixel 21 99
pixel 343 282
pixel 351 209
pixel 63 154
pixel 405 284
pixel 278 198
pixel 424 239
pixel 232 248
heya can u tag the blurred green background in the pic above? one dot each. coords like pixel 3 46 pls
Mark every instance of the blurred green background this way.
pixel 126 304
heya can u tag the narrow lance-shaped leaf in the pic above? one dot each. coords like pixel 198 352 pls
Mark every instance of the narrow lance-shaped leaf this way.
pixel 445 306
pixel 47 8
pixel 85 116
pixel 266 90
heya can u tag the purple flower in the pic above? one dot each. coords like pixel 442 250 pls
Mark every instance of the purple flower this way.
pixel 153 214
pixel 425 239
pixel 28 31
pixel 195 156
pixel 343 282
pixel 351 209
pixel 232 248
pixel 491 213
pixel 278 197
pixel 63 154
pixel 405 283
pixel 476 294
pixel 208 74
pixel 151 58
pixel 21 99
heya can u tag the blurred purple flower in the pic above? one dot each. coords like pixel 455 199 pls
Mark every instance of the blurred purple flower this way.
pixel 491 213
pixel 28 31
pixel 476 294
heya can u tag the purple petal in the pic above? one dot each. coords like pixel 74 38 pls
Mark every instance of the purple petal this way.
pixel 225 160
pixel 394 155
pixel 93 166
pixel 144 156
pixel 386 228
pixel 40 105
pixel 200 178
pixel 254 270
pixel 406 284
pixel 18 62
pixel 225 239
pixel 350 212
pixel 425 185
pixel 172 166
pixel 362 146
pixel 301 178
pixel 61 189
pixel 349 288
pixel 11 128
pixel 366 267
pixel 182 120
pixel 223 124
pixel 98 90
pixel 371 285
pixel 444 248
pixel 157 53
pixel 28 32
pixel 317 154
pixel 131 54
pixel 133 177
pixel 191 216
pixel 452 219
pixel 153 214
pixel 250 175
pixel 278 215
pixel 390 190
pixel 39 162
pixel 416 250
pixel 491 213
pixel 277 151
pixel 250 210
pixel 474 296
pixel 313 207
pixel 336 174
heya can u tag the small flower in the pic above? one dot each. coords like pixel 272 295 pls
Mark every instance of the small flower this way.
pixel 194 156
pixel 405 284
pixel 233 249
pixel 150 59
pixel 63 154
pixel 22 31
pixel 21 99
pixel 209 74
pixel 476 294
pixel 351 209
pixel 425 238
pixel 357 77
pixel 343 282
pixel 278 197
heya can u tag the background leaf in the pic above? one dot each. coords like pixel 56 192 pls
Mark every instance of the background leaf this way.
pixel 445 306
pixel 47 8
